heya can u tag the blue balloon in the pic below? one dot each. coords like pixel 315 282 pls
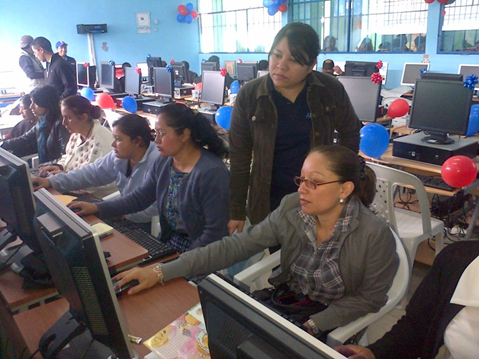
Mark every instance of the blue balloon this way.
pixel 272 10
pixel 277 2
pixel 180 18
pixel 473 126
pixel 88 93
pixel 129 104
pixel 188 19
pixel 189 7
pixel 234 87
pixel 374 140
pixel 267 3
pixel 223 117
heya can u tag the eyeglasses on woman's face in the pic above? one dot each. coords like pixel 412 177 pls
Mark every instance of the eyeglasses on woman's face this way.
pixel 310 184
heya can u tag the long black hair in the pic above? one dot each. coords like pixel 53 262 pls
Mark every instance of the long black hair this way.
pixel 47 97
pixel 203 134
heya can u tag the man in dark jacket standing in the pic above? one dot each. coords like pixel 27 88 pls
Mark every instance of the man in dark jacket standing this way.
pixel 59 74
pixel 30 65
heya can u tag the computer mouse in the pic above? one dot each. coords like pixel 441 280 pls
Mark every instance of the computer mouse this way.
pixel 125 287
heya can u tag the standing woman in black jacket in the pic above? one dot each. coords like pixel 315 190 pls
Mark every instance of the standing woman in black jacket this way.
pixel 49 137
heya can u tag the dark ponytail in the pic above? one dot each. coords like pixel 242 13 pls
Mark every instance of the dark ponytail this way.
pixel 80 105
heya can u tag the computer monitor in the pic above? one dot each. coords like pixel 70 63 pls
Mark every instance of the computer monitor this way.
pixel 151 62
pixel 468 70
pixel 258 331
pixel 213 91
pixel 364 96
pixel 132 81
pixel 143 66
pixel 179 71
pixel 164 83
pixel 440 108
pixel 231 67
pixel 360 68
pixel 209 66
pixel 246 71
pixel 441 76
pixel 86 75
pixel 262 73
pixel 16 201
pixel 75 258
pixel 107 76
pixel 412 72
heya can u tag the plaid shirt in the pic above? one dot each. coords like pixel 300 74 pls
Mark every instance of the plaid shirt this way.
pixel 316 271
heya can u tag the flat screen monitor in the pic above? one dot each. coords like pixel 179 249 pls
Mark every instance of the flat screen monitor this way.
pixel 143 66
pixel 364 95
pixel 240 327
pixel 86 75
pixel 16 201
pixel 360 68
pixel 412 72
pixel 151 62
pixel 440 108
pixel 246 71
pixel 230 67
pixel 75 258
pixel 132 81
pixel 468 70
pixel 209 66
pixel 164 83
pixel 213 91
pixel 441 76
pixel 179 71
pixel 262 73
pixel 107 76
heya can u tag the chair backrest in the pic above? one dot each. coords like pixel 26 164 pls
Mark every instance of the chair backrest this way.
pixel 401 279
pixel 387 180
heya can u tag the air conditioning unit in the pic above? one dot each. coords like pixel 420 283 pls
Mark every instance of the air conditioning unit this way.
pixel 91 28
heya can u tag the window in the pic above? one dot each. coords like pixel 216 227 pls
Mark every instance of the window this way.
pixel 236 26
pixel 365 25
pixel 460 27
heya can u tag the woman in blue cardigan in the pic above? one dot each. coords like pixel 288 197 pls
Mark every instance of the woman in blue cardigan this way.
pixel 189 181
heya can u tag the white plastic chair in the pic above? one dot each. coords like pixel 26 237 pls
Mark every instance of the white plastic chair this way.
pixel 340 335
pixel 412 227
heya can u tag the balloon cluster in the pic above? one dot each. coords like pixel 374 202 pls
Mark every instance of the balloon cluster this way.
pixel 459 171
pixel 186 13
pixel 470 82
pixel 274 6
pixel 374 140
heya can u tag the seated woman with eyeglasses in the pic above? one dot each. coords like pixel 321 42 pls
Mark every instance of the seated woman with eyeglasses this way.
pixel 189 182
pixel 335 252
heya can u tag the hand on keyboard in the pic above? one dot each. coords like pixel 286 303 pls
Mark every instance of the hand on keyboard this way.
pixel 39 182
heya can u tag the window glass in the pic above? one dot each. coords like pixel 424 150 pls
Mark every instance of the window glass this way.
pixel 460 27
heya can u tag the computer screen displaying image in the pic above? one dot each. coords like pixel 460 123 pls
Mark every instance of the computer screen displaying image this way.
pixel 412 72
pixel 468 70
pixel 107 76
pixel 231 67
pixel 364 96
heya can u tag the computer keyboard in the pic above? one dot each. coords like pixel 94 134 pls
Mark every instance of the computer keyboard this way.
pixel 156 249
pixel 435 182
pixel 86 198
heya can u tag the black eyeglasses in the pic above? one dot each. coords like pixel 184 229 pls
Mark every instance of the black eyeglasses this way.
pixel 310 183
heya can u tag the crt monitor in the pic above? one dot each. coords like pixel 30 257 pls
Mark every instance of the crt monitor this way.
pixel 440 108
pixel 179 71
pixel 164 83
pixel 209 66
pixel 16 201
pixel 240 327
pixel 468 70
pixel 107 76
pixel 441 76
pixel 86 75
pixel 360 68
pixel 364 95
pixel 74 256
pixel 132 81
pixel 247 71
pixel 213 91
pixel 412 72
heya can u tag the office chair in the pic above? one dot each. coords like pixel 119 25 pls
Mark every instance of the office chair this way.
pixel 340 335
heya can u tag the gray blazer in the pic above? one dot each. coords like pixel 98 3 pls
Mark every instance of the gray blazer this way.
pixel 368 259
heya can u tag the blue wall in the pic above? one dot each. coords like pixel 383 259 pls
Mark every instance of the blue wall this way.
pixel 56 20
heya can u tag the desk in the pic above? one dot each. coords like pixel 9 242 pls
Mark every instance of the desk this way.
pixel 145 313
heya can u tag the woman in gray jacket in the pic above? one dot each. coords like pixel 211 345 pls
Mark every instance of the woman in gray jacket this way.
pixel 334 250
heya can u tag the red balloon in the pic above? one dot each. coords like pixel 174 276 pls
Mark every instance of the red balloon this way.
pixel 459 171
pixel 199 86
pixel 194 13
pixel 183 10
pixel 442 1
pixel 429 1
pixel 283 7
pixel 398 108
pixel 105 101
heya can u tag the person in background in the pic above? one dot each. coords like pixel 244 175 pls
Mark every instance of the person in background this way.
pixel 29 119
pixel 329 68
pixel 59 74
pixel 476 47
pixel 228 78
pixel 385 47
pixel 326 232
pixel 31 67
pixel 420 43
pixel 366 45
pixel 329 44
pixel 128 165
pixel 263 65
pixel 122 79
pixel 189 181
pixel 442 317
pixel 62 50
pixel 89 140
pixel 191 76
pixel 280 117
pixel 49 137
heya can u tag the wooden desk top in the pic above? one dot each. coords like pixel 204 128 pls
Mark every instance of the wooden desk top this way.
pixel 145 313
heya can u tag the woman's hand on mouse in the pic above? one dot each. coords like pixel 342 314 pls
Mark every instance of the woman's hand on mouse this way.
pixel 83 208
pixel 145 276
